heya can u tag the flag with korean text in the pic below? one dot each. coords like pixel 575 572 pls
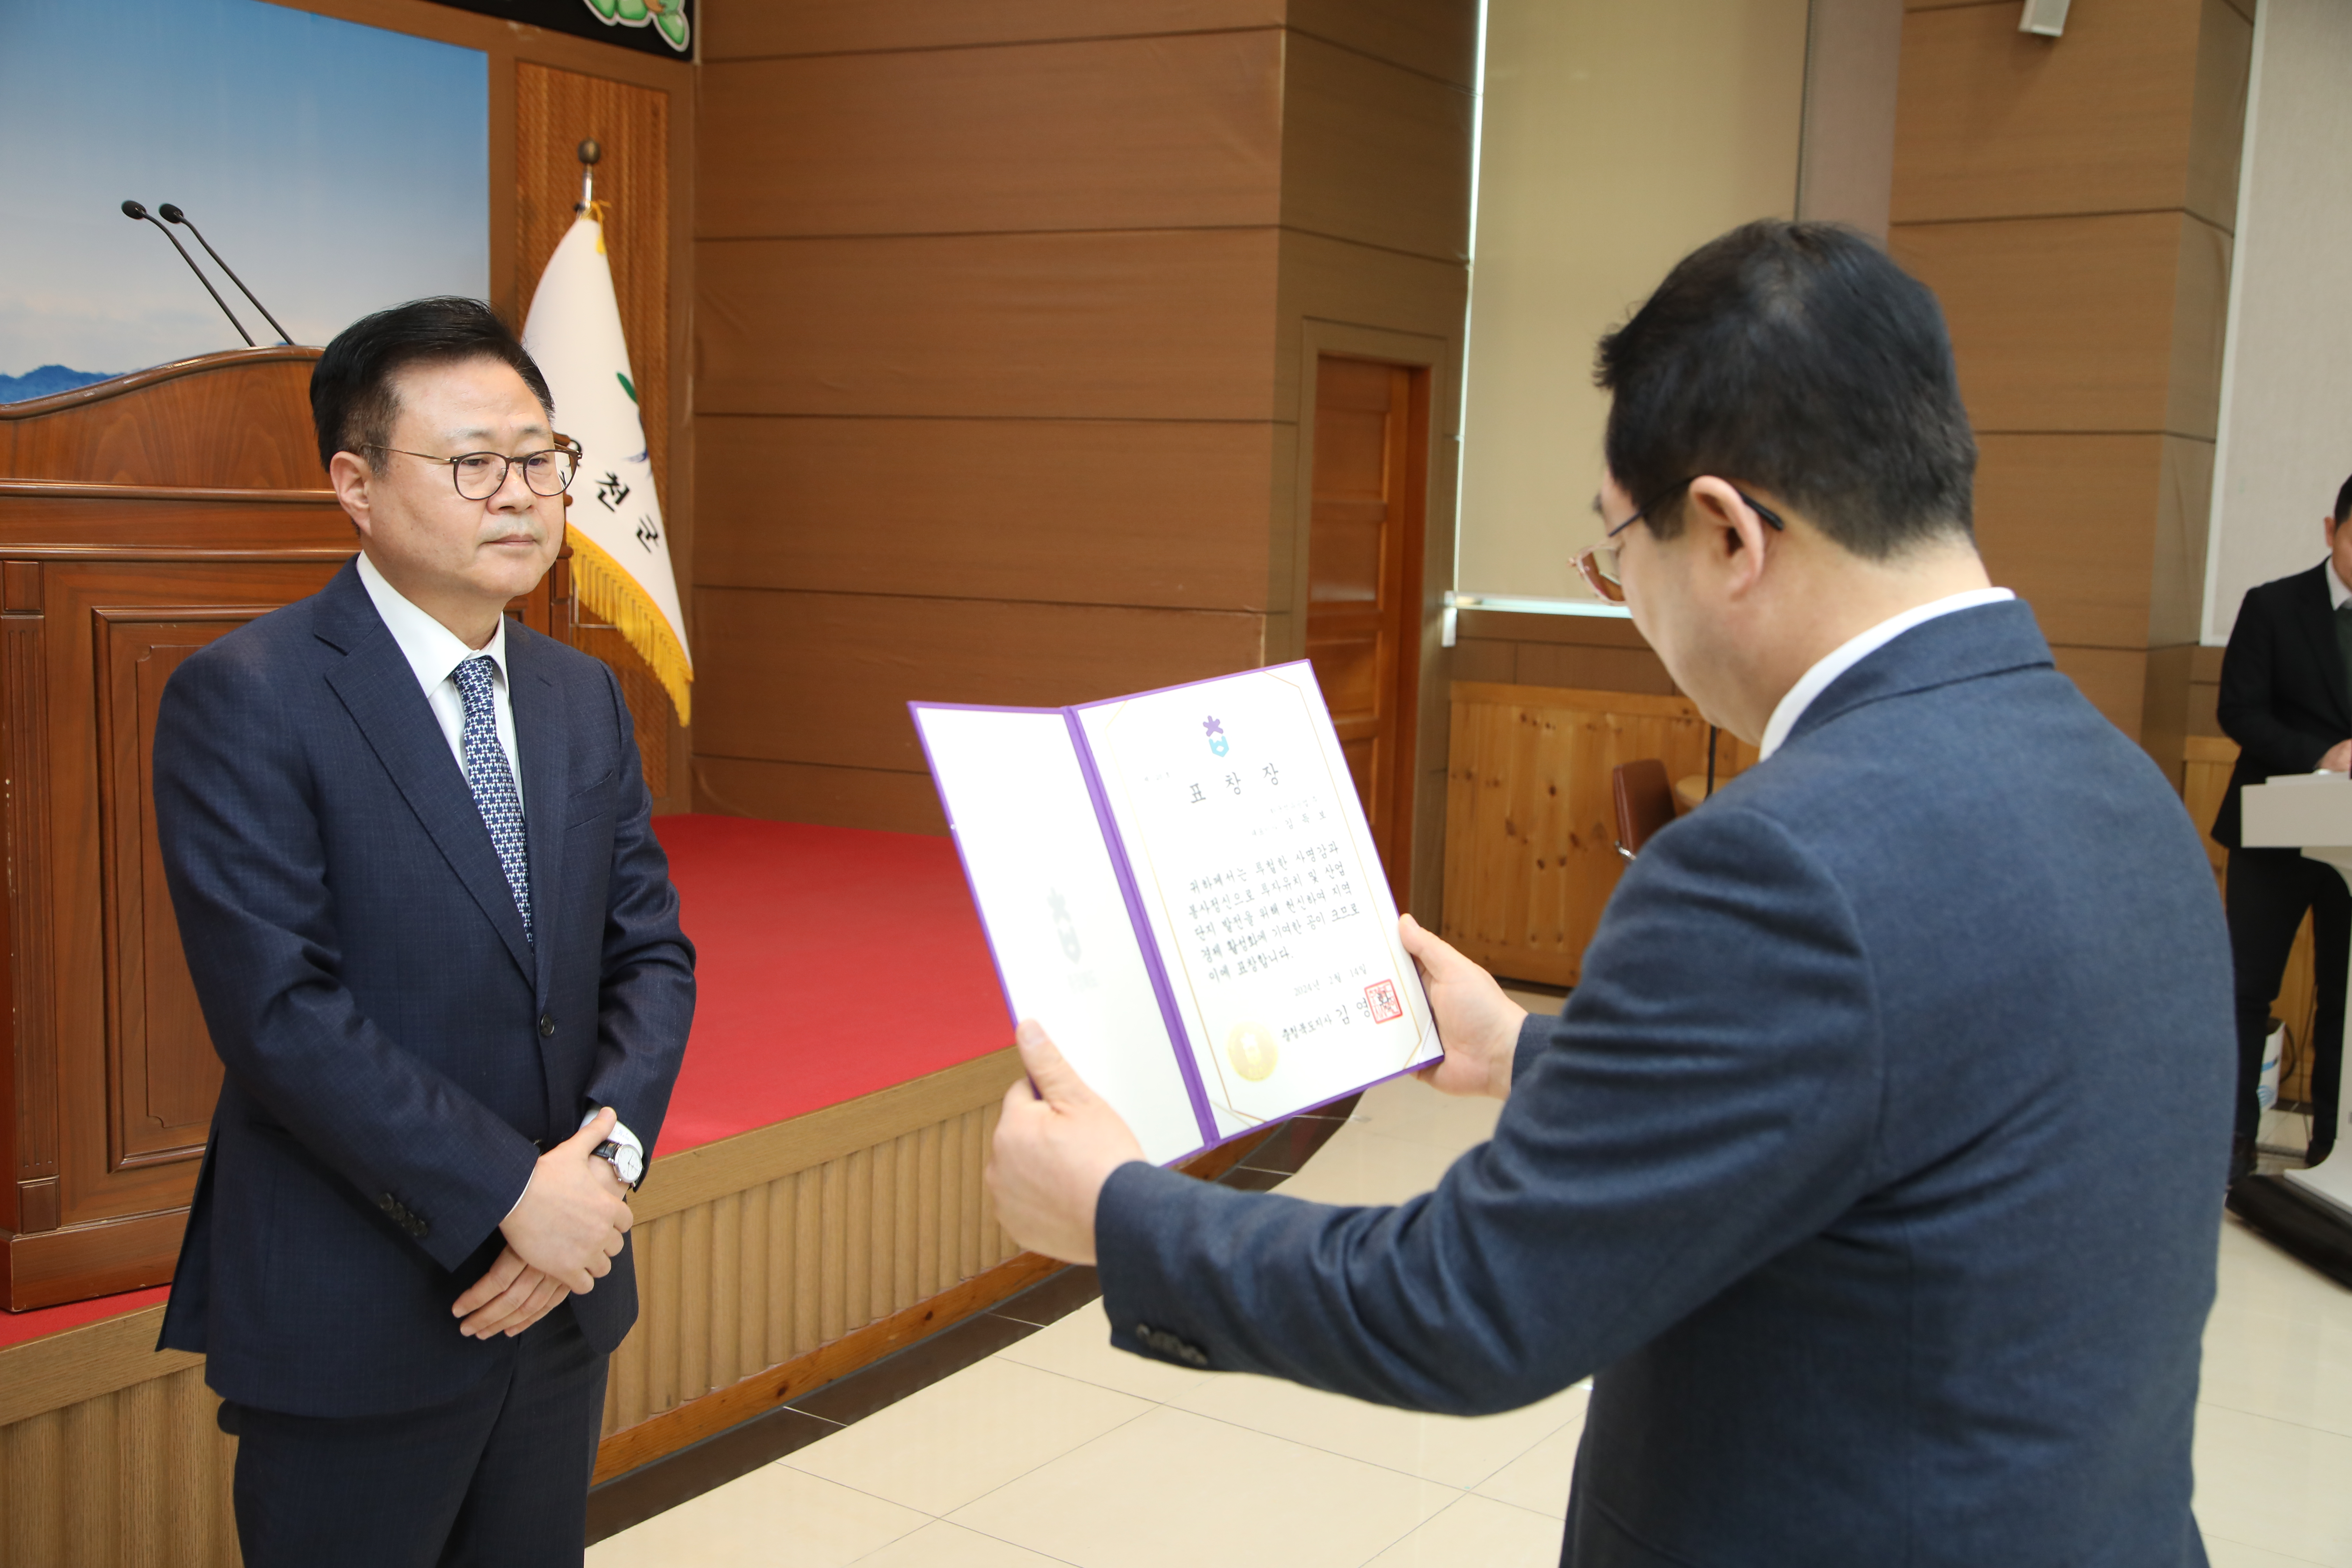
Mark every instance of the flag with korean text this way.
pixel 620 553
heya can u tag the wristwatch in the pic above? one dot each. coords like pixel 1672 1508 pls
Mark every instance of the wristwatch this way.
pixel 627 1163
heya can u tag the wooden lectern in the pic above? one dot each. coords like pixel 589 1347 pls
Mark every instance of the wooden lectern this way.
pixel 2307 1211
pixel 140 519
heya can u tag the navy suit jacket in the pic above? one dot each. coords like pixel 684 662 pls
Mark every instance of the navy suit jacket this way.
pixel 2284 698
pixel 1874 1166
pixel 396 1050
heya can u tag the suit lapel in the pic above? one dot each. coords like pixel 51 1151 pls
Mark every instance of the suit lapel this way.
pixel 543 748
pixel 2317 612
pixel 379 690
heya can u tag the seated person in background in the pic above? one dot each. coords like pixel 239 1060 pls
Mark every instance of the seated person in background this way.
pixel 1874 1166
pixel 2286 699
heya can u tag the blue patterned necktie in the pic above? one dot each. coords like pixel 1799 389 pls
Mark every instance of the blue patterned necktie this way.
pixel 493 781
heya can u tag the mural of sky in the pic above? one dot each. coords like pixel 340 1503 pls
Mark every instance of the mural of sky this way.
pixel 339 168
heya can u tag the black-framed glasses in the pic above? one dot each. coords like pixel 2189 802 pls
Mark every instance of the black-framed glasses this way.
pixel 1597 564
pixel 478 475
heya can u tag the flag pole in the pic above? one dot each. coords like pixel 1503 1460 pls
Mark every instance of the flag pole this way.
pixel 590 153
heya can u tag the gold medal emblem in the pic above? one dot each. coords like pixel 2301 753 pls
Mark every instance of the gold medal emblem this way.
pixel 1252 1049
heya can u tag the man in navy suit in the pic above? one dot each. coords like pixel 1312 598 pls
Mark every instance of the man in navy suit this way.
pixel 410 848
pixel 2286 699
pixel 1875 1165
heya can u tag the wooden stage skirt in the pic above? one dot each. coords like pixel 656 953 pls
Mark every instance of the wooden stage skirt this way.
pixel 814 1202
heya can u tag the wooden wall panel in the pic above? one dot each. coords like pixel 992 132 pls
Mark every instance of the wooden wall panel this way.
pixel 2114 678
pixel 821 677
pixel 1530 832
pixel 1375 152
pixel 2066 323
pixel 1068 512
pixel 735 30
pixel 1160 325
pixel 895 801
pixel 1993 123
pixel 1183 132
pixel 1332 280
pixel 554 111
pixel 1437 38
pixel 2064 520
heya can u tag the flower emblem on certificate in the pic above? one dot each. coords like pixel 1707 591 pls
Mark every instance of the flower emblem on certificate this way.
pixel 1251 1048
pixel 1218 744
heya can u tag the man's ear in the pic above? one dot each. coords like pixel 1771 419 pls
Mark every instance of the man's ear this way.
pixel 1733 536
pixel 350 479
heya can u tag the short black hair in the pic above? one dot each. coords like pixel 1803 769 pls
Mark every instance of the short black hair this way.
pixel 1799 358
pixel 2343 503
pixel 352 404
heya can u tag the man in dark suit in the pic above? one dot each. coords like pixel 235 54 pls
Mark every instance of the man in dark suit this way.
pixel 410 848
pixel 2286 699
pixel 1874 1166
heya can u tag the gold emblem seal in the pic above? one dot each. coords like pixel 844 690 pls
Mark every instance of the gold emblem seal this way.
pixel 1252 1049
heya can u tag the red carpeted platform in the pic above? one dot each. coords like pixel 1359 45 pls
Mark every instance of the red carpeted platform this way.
pixel 831 962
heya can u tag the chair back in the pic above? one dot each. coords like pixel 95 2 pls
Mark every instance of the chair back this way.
pixel 1646 802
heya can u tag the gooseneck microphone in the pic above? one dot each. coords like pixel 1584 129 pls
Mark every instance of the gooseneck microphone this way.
pixel 174 215
pixel 134 211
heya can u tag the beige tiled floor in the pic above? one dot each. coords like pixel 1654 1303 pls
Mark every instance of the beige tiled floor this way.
pixel 1060 1450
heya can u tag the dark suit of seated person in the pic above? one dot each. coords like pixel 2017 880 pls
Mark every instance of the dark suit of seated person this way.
pixel 1874 1166
pixel 2286 699
pixel 438 949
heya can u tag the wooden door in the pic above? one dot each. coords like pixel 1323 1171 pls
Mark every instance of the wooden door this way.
pixel 1364 593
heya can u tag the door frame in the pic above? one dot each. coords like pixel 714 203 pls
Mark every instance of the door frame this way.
pixel 1437 389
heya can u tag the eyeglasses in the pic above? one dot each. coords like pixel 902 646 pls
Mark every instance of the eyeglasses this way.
pixel 1597 564
pixel 478 475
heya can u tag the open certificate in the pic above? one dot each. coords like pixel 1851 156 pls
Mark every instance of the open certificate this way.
pixel 1181 888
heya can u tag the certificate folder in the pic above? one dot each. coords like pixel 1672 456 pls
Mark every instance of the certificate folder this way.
pixel 1181 888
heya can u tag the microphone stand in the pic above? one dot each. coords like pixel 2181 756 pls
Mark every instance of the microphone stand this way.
pixel 133 210
pixel 174 215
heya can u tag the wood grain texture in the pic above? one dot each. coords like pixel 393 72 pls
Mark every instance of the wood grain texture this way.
pixel 1156 325
pixel 234 420
pixel 2115 680
pixel 555 110
pixel 885 800
pixel 884 1167
pixel 123 1480
pixel 1347 285
pixel 1158 133
pixel 2079 323
pixel 1530 835
pixel 2217 124
pixel 1374 153
pixel 2069 521
pixel 755 29
pixel 826 677
pixel 1438 38
pixel 1993 123
pixel 1070 511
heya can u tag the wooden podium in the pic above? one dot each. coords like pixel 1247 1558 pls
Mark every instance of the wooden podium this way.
pixel 140 519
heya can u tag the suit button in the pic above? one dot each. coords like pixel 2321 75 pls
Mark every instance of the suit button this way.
pixel 388 1204
pixel 546 1024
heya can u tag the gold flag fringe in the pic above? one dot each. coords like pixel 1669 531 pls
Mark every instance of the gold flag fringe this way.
pixel 605 587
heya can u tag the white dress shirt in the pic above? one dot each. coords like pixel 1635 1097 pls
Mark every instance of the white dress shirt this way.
pixel 434 652
pixel 1854 650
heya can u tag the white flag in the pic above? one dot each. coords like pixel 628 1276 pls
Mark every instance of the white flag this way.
pixel 620 554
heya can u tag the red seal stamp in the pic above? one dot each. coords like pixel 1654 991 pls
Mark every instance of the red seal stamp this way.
pixel 1381 998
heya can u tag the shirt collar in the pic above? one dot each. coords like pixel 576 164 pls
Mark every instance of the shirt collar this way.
pixel 1854 650
pixel 2336 592
pixel 432 649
